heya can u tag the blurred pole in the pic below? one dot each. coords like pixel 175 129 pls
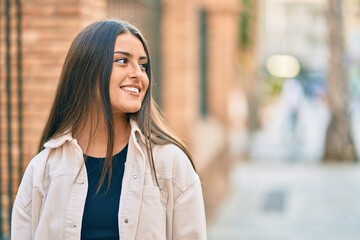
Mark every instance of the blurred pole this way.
pixel 339 144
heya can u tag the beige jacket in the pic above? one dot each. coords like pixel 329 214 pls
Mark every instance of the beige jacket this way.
pixel 52 193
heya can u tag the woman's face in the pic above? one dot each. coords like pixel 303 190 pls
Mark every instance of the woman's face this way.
pixel 129 81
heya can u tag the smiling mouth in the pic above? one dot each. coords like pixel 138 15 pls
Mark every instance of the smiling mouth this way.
pixel 131 89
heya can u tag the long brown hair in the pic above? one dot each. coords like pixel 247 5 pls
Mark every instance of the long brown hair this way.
pixel 85 74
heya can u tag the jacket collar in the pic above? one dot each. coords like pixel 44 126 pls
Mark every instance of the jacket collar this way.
pixel 60 140
pixel 135 131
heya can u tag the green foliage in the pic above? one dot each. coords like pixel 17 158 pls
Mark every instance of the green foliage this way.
pixel 273 86
pixel 245 24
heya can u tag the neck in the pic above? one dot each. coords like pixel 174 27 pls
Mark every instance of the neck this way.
pixel 93 137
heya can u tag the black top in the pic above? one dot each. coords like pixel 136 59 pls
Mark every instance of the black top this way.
pixel 100 219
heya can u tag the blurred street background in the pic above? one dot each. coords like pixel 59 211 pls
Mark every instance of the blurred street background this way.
pixel 286 192
pixel 266 93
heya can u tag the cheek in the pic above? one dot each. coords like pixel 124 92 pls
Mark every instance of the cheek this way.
pixel 113 91
pixel 112 84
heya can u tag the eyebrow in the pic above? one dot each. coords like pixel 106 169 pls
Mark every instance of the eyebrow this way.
pixel 130 55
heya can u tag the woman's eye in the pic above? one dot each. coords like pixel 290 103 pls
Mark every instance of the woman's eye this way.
pixel 121 60
pixel 143 66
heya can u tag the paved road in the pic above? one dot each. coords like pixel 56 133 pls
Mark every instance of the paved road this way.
pixel 290 202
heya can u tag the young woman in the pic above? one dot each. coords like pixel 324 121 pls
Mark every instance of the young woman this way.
pixel 107 166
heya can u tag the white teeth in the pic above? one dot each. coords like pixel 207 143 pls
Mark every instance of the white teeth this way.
pixel 131 89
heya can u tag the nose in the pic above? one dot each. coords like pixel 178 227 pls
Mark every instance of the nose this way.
pixel 136 72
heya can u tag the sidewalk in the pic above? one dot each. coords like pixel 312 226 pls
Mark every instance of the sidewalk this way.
pixel 280 201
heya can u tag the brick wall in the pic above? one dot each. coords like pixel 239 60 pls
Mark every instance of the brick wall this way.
pixel 180 76
pixel 180 54
pixel 223 22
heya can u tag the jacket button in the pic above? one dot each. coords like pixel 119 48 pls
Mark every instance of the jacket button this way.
pixel 126 220
pixel 135 177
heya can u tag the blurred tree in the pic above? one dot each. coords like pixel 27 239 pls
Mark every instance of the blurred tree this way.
pixel 339 144
pixel 247 62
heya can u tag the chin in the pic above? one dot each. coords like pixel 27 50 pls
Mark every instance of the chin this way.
pixel 133 109
pixel 132 112
pixel 126 108
pixel 125 111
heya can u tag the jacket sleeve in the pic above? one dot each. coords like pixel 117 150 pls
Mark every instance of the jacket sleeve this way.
pixel 21 228
pixel 189 214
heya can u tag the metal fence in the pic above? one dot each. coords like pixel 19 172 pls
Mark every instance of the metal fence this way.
pixel 11 114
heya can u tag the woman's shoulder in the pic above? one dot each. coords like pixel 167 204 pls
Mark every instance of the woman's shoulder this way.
pixel 33 172
pixel 172 162
pixel 169 149
pixel 39 159
pixel 171 154
pixel 53 153
pixel 51 146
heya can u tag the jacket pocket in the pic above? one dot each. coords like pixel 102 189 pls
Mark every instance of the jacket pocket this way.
pixel 152 220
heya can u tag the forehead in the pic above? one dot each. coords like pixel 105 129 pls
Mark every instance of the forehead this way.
pixel 129 43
